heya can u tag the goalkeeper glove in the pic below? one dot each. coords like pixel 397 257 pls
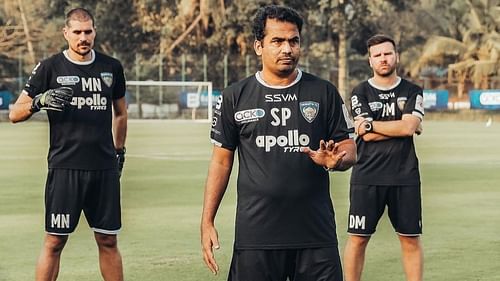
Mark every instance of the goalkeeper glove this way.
pixel 53 99
pixel 120 158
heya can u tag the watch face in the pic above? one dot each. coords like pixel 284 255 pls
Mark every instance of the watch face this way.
pixel 368 127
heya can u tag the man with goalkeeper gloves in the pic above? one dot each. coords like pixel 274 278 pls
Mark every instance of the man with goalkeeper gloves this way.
pixel 83 93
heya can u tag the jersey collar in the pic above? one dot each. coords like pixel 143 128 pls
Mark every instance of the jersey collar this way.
pixel 372 83
pixel 261 81
pixel 92 58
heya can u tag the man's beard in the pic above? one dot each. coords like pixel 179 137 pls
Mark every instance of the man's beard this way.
pixel 82 53
pixel 285 72
pixel 388 73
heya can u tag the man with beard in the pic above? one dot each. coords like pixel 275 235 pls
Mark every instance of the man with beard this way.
pixel 83 93
pixel 388 111
pixel 285 227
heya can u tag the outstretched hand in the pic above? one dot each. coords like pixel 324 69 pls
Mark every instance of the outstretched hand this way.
pixel 327 155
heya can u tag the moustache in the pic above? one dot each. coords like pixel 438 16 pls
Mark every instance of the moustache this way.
pixel 87 44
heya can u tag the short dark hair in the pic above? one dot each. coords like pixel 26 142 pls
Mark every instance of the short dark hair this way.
pixel 279 13
pixel 79 14
pixel 379 39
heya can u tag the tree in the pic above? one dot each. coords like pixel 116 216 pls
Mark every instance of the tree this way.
pixel 469 47
pixel 25 34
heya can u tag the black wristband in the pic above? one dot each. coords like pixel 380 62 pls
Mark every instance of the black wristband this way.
pixel 121 150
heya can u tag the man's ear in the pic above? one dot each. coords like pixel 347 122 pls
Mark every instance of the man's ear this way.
pixel 257 46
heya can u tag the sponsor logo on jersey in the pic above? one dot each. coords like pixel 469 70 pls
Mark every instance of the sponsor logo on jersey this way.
pixel 59 220
pixel 33 72
pixel 68 80
pixel 309 110
pixel 280 97
pixel 94 102
pixel 386 96
pixel 375 106
pixel 214 121
pixel 355 102
pixel 291 142
pixel 419 103
pixel 218 105
pixel 249 115
pixel 401 103
pixel 107 78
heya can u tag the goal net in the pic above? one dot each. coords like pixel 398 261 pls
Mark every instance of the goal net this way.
pixel 170 100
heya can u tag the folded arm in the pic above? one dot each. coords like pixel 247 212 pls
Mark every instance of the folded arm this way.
pixel 382 130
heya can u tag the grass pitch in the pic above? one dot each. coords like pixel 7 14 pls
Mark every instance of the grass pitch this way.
pixel 162 191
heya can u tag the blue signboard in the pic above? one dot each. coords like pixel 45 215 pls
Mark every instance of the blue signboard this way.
pixel 435 99
pixel 193 100
pixel 5 97
pixel 485 99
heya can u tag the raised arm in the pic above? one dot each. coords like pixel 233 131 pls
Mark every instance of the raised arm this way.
pixel 215 187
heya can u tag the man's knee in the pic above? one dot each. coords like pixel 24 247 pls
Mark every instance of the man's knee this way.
pixel 55 243
pixel 106 241
pixel 410 242
pixel 359 241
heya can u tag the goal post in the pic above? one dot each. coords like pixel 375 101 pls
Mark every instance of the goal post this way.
pixel 175 100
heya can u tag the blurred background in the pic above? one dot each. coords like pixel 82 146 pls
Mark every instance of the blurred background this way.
pixel 198 47
pixel 449 47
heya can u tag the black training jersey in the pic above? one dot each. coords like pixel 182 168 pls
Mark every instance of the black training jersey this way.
pixel 283 197
pixel 392 161
pixel 81 135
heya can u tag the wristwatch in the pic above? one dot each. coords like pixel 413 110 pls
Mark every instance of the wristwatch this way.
pixel 368 126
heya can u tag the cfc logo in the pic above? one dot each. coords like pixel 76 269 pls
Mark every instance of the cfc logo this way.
pixel 95 102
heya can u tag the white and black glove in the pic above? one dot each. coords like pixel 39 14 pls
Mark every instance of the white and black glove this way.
pixel 53 99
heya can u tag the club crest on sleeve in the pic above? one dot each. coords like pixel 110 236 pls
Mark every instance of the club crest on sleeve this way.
pixel 309 110
pixel 107 78
pixel 401 103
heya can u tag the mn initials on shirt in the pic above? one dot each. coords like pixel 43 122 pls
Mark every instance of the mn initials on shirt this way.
pixel 91 84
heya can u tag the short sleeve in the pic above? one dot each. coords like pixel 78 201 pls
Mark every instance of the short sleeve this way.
pixel 341 125
pixel 119 87
pixel 38 80
pixel 224 130
pixel 415 103
pixel 359 104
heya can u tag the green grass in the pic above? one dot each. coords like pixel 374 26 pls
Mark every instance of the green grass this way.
pixel 162 190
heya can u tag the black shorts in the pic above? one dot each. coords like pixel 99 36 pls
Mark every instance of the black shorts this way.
pixel 288 264
pixel 68 192
pixel 368 204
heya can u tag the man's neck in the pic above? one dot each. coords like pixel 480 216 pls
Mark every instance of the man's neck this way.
pixel 77 57
pixel 275 80
pixel 385 82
